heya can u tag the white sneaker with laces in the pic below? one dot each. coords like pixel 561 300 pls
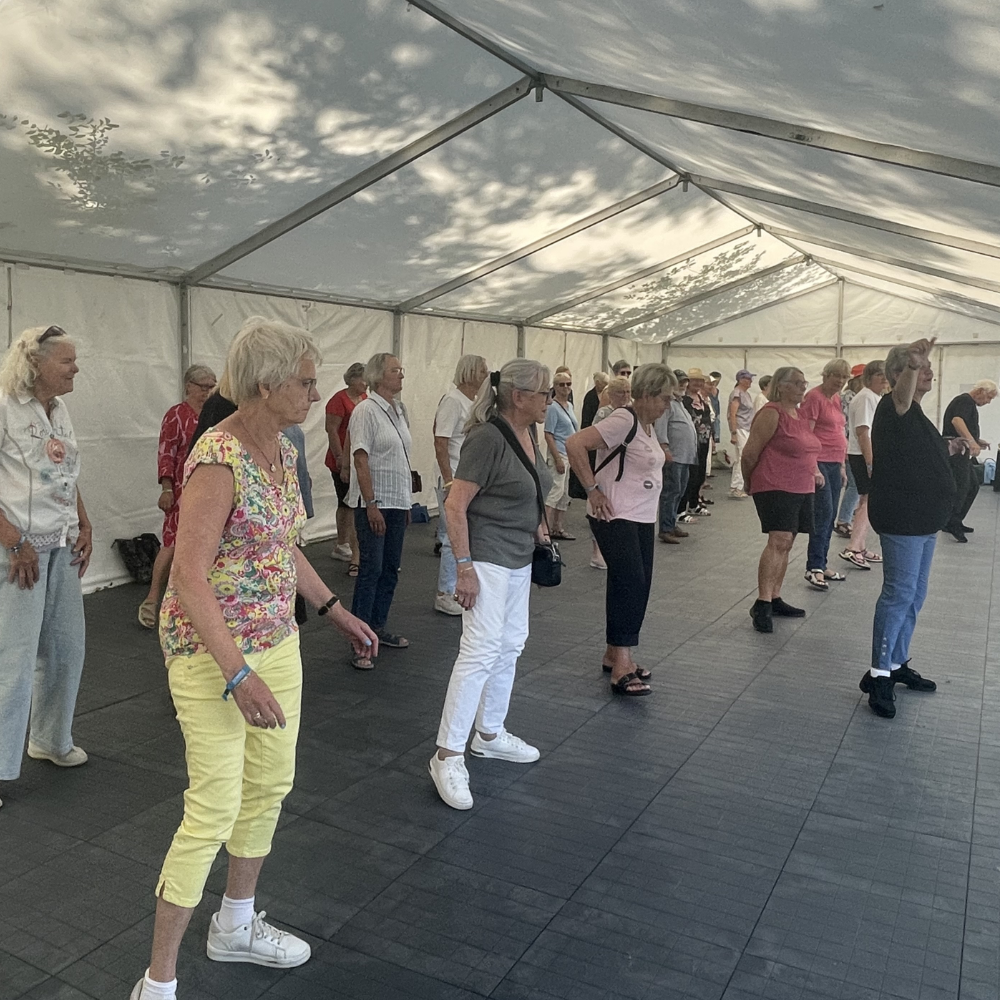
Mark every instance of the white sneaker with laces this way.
pixel 257 942
pixel 447 605
pixel 341 552
pixel 504 746
pixel 74 758
pixel 136 993
pixel 451 780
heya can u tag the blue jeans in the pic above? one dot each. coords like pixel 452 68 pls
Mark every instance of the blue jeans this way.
pixel 823 514
pixel 906 569
pixel 42 640
pixel 850 502
pixel 379 570
pixel 448 570
pixel 675 481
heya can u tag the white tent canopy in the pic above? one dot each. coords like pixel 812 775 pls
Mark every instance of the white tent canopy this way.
pixel 723 184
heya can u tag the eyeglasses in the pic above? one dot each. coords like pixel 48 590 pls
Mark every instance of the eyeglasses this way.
pixel 626 372
pixel 52 331
pixel 557 384
pixel 395 371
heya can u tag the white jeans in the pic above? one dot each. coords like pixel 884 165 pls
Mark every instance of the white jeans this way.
pixel 742 437
pixel 493 635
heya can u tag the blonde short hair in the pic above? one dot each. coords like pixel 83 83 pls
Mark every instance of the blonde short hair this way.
pixel 837 366
pixel 620 384
pixel 18 370
pixel 265 352
pixel 986 384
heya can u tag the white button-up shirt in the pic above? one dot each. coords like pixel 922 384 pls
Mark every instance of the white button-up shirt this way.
pixel 380 429
pixel 39 466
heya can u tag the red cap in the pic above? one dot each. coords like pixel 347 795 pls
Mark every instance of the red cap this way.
pixel 857 370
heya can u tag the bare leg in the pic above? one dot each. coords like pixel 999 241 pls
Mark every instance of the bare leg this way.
pixel 773 563
pixel 859 533
pixel 620 659
pixel 161 573
pixel 344 525
pixel 241 882
pixel 554 517
pixel 168 930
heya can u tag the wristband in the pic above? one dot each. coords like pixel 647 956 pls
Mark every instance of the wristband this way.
pixel 445 486
pixel 243 673
pixel 325 609
pixel 15 549
pixel 590 489
pixel 371 503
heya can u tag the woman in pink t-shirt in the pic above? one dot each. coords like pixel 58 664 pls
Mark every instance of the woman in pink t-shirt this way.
pixel 780 471
pixel 821 407
pixel 623 502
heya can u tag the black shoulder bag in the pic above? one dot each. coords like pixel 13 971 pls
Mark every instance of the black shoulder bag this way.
pixel 619 452
pixel 546 562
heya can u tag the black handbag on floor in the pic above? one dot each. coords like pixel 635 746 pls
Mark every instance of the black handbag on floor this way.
pixel 546 562
pixel 138 554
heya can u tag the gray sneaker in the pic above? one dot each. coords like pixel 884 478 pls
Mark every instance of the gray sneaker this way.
pixel 73 758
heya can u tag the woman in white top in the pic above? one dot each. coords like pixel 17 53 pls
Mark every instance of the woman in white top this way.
pixel 380 495
pixel 449 432
pixel 45 546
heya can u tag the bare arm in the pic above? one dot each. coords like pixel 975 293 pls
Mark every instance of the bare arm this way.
pixel 734 405
pixel 443 458
pixel 333 422
pixel 84 544
pixel 557 459
pixel 963 432
pixel 761 431
pixel 456 508
pixel 577 446
pixel 317 593
pixel 864 436
pixel 906 385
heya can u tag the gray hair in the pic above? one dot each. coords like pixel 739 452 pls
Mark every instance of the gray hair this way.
pixel 872 369
pixel 987 384
pixel 837 366
pixel 469 369
pixel 519 373
pixel 196 372
pixel 18 370
pixel 265 352
pixel 601 379
pixel 652 380
pixel 778 379
pixel 896 362
pixel 375 369
pixel 620 364
pixel 357 370
pixel 763 382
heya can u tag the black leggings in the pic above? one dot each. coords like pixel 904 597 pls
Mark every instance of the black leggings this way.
pixel 627 547
pixel 697 479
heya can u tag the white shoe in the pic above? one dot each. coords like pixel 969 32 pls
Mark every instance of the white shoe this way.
pixel 594 564
pixel 256 942
pixel 451 780
pixel 341 552
pixel 74 758
pixel 136 993
pixel 447 605
pixel 504 746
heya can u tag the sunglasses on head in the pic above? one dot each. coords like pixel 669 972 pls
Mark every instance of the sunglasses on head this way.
pixel 52 331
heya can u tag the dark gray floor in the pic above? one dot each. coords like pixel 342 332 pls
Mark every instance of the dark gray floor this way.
pixel 751 830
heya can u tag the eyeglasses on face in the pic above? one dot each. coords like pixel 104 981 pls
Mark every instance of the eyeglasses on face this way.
pixel 557 384
pixel 395 371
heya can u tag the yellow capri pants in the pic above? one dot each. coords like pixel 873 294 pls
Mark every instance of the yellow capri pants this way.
pixel 239 774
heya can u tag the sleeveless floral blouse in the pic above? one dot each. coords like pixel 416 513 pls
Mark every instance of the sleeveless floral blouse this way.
pixel 253 575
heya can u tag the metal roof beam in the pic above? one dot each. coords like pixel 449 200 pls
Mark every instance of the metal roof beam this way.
pixel 707 294
pixel 843 215
pixel 772 128
pixel 540 244
pixel 370 175
pixel 910 265
pixel 647 272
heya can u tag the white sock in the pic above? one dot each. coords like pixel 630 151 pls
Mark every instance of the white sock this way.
pixel 152 990
pixel 879 673
pixel 235 913
pixel 895 666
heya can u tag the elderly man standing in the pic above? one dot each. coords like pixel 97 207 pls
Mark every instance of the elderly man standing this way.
pixel 911 497
pixel 961 420
pixel 740 415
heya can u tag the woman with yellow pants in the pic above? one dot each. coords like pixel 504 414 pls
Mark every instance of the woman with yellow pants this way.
pixel 228 633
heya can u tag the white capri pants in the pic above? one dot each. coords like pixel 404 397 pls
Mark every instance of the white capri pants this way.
pixel 493 634
pixel 742 437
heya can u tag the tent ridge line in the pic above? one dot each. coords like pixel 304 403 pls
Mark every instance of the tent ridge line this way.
pixel 773 128
pixel 800 258
pixel 639 275
pixel 661 187
pixel 364 179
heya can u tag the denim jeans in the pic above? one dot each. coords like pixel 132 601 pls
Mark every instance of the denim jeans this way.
pixel 448 570
pixel 906 569
pixel 379 570
pixel 42 642
pixel 850 502
pixel 675 481
pixel 823 514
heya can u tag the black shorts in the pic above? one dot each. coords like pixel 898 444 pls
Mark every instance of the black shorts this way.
pixel 781 511
pixel 341 487
pixel 859 469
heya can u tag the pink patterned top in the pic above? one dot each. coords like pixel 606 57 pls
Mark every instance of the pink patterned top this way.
pixel 254 573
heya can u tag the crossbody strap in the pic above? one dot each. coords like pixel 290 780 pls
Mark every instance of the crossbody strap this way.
pixel 511 438
pixel 619 452
pixel 406 454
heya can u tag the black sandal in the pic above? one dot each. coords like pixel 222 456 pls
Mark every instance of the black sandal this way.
pixel 621 686
pixel 641 672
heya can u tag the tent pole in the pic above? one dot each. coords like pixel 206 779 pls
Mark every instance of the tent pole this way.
pixel 184 330
pixel 397 335
pixel 840 317
pixel 10 304
pixel 605 353
pixel 520 340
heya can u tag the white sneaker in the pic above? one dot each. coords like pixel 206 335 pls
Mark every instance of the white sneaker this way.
pixel 256 942
pixel 341 552
pixel 447 605
pixel 74 758
pixel 451 780
pixel 136 993
pixel 504 746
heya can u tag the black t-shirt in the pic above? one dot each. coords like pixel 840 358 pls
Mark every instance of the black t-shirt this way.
pixel 963 406
pixel 591 404
pixel 912 487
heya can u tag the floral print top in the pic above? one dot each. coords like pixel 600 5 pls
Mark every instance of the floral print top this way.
pixel 254 573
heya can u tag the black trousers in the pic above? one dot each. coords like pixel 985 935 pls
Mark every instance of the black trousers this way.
pixel 627 547
pixel 967 486
pixel 697 477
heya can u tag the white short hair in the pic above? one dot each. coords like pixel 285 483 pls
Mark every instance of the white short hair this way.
pixel 986 383
pixel 468 368
pixel 19 368
pixel 265 352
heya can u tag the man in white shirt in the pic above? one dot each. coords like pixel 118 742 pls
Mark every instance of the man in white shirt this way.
pixel 764 383
pixel 450 422
pixel 739 413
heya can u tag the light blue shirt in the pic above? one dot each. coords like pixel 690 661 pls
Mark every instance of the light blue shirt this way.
pixel 297 437
pixel 560 423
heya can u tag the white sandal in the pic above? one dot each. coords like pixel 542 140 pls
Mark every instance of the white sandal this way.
pixel 815 579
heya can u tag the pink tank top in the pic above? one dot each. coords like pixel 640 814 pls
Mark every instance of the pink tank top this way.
pixel 788 461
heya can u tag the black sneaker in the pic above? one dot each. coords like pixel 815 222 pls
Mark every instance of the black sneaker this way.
pixel 958 535
pixel 880 696
pixel 437 548
pixel 967 529
pixel 913 680
pixel 761 615
pixel 783 610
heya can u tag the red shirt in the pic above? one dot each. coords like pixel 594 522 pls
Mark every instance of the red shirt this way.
pixel 788 461
pixel 176 431
pixel 341 404
pixel 828 415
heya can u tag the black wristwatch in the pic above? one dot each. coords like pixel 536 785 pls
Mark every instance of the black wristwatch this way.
pixel 326 608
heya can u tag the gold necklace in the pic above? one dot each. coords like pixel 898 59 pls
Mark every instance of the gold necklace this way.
pixel 257 446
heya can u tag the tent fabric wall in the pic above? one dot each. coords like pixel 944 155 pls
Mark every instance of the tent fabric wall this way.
pixel 547 346
pixel 128 352
pixel 497 342
pixel 583 358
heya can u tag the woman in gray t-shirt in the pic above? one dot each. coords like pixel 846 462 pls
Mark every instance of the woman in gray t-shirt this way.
pixel 494 520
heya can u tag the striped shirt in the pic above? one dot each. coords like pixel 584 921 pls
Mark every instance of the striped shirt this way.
pixel 381 429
